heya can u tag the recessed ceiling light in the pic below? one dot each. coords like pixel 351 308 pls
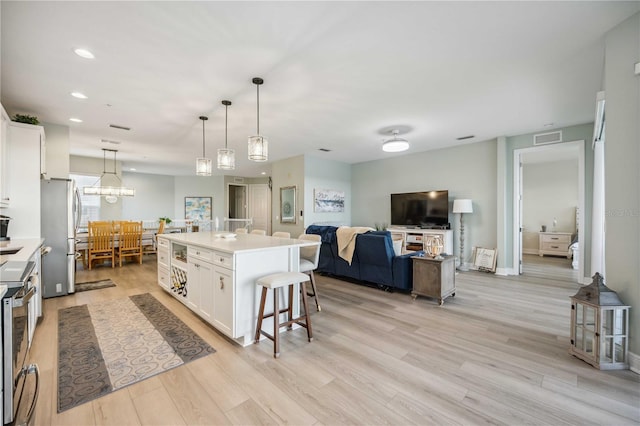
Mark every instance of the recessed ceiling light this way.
pixel 75 120
pixel 133 169
pixel 84 53
pixel 263 173
pixel 78 95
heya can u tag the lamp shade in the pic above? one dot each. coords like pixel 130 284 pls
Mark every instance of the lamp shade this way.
pixel 462 206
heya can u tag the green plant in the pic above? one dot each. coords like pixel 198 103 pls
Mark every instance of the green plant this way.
pixel 23 118
pixel 166 220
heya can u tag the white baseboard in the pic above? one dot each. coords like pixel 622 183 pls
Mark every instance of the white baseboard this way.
pixel 634 362
pixel 530 251
pixel 505 271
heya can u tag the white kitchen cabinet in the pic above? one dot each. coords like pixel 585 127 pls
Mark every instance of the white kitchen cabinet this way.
pixel 24 149
pixel 4 195
pixel 223 300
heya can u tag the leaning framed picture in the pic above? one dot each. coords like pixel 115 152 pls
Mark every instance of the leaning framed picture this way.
pixel 197 208
pixel 484 259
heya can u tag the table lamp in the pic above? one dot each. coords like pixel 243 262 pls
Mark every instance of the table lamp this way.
pixel 462 206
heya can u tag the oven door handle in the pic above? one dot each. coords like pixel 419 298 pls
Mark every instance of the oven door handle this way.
pixel 17 303
pixel 31 369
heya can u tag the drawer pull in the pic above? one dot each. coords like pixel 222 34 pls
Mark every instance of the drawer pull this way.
pixel 555 247
pixel 555 238
pixel 222 260
pixel 221 283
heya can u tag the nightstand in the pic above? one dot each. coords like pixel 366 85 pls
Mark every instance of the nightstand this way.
pixel 555 243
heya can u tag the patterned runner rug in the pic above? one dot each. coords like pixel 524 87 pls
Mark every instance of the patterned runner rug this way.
pixel 106 346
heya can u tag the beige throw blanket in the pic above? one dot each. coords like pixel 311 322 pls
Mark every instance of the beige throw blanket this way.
pixel 346 238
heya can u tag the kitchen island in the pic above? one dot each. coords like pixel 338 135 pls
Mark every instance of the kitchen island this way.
pixel 214 274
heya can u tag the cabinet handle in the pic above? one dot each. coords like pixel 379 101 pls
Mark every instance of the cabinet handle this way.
pixel 222 260
pixel 221 283
pixel 555 247
pixel 554 238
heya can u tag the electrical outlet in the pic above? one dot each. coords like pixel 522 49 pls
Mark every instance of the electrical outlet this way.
pixel 637 68
pixel 59 288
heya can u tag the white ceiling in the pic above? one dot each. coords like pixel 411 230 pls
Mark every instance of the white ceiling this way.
pixel 338 75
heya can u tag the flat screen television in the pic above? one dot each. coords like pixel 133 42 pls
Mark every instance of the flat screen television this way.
pixel 428 209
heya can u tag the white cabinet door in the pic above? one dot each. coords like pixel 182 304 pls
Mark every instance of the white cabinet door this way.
pixel 194 282
pixel 223 300
pixel 205 289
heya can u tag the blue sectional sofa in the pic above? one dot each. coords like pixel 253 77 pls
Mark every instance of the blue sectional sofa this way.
pixel 374 261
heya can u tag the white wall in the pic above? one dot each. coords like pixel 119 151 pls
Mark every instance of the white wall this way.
pixel 199 186
pixel 550 190
pixel 154 196
pixel 326 174
pixel 622 174
pixel 466 171
pixel 288 172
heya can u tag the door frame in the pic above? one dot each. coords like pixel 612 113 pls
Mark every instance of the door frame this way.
pixel 246 195
pixel 517 197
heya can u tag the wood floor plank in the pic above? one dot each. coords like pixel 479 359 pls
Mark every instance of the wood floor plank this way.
pixel 158 408
pixel 115 409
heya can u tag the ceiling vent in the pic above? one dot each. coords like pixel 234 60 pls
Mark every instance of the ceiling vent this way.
pixel 110 141
pixel 547 138
pixel 238 179
pixel 324 149
pixel 115 126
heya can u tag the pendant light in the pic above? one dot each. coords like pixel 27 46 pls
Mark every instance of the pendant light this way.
pixel 203 165
pixel 110 192
pixel 395 144
pixel 258 144
pixel 226 156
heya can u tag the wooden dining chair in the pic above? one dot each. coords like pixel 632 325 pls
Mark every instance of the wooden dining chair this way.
pixel 100 242
pixel 259 232
pixel 241 231
pixel 130 241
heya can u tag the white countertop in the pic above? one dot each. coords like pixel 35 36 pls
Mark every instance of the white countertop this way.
pixel 29 246
pixel 240 243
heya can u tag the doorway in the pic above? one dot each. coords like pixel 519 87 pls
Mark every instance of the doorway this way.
pixel 236 204
pixel 541 174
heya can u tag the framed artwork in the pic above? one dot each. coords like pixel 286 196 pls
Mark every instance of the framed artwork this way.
pixel 197 208
pixel 288 204
pixel 328 200
pixel 484 259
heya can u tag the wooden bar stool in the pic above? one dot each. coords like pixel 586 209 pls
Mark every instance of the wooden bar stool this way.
pixel 275 282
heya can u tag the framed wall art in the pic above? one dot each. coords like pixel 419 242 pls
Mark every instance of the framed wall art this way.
pixel 288 204
pixel 197 208
pixel 328 200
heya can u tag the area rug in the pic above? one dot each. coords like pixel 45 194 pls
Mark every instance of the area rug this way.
pixel 106 346
pixel 94 285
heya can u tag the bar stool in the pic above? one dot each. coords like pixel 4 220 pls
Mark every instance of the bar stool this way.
pixel 275 282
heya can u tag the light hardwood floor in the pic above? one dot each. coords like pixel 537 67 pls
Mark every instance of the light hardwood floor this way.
pixel 495 353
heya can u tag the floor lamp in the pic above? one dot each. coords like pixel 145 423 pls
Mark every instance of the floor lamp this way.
pixel 462 207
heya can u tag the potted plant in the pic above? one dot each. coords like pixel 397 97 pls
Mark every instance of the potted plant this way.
pixel 28 119
pixel 166 220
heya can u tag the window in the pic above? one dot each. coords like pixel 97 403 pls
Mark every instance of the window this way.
pixel 90 203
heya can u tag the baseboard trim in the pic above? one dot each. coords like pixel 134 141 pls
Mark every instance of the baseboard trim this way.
pixel 504 271
pixel 634 362
pixel 530 251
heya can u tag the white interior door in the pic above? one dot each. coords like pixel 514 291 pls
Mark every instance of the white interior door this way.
pixel 260 206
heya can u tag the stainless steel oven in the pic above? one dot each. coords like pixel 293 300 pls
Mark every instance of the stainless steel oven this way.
pixel 20 381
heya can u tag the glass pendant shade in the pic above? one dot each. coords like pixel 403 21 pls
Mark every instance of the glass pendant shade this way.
pixel 203 166
pixel 258 145
pixel 226 156
pixel 226 159
pixel 258 148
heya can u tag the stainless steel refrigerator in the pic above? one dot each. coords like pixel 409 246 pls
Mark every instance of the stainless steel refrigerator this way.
pixel 60 215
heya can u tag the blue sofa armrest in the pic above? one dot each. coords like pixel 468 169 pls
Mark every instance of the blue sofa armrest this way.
pixel 403 271
pixel 375 256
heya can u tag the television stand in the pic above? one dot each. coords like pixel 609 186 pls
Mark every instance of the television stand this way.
pixel 415 239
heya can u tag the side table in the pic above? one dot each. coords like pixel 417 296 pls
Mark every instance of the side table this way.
pixel 434 278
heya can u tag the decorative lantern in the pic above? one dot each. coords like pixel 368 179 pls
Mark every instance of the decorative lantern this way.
pixel 600 326
pixel 434 246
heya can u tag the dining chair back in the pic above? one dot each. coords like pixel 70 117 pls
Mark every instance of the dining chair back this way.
pixel 130 241
pixel 309 257
pixel 240 230
pixel 100 242
pixel 281 234
pixel 259 232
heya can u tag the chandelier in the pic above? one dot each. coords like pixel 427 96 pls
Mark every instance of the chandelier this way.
pixel 108 191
